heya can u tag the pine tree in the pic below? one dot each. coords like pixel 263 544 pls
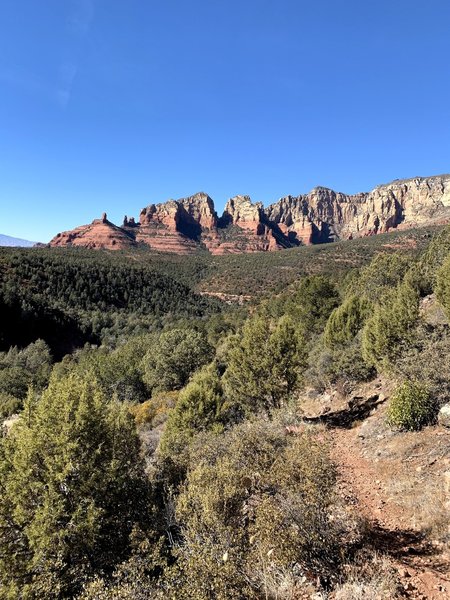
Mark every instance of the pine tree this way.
pixel 390 329
pixel 346 321
pixel 263 366
pixel 174 357
pixel 72 487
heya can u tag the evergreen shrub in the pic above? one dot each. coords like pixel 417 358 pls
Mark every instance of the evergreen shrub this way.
pixel 410 407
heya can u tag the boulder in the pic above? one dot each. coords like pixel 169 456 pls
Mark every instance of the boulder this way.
pixel 444 415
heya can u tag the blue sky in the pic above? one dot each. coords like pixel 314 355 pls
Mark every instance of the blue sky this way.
pixel 109 105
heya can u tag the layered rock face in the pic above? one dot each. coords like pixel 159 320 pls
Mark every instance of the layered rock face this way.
pixel 167 227
pixel 240 211
pixel 244 227
pixel 324 215
pixel 183 226
pixel 101 233
pixel 187 224
pixel 200 208
pixel 177 225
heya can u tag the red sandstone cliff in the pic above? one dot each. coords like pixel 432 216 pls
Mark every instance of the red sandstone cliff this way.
pixel 183 226
pixel 324 215
pixel 99 234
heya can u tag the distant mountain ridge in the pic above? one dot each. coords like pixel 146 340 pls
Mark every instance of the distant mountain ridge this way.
pixel 7 240
pixel 323 215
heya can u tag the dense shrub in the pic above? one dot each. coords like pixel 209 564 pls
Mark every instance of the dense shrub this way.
pixel 254 501
pixel 20 369
pixel 9 405
pixel 265 366
pixel 346 321
pixel 391 327
pixel 385 271
pixel 343 364
pixel 312 303
pixel 135 578
pixel 199 408
pixel 443 286
pixel 173 357
pixel 118 371
pixel 154 412
pixel 72 486
pixel 427 359
pixel 433 259
pixel 410 407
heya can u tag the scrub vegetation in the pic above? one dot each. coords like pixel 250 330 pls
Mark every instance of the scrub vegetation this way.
pixel 153 445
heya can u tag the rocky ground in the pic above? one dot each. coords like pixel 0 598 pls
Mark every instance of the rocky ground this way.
pixel 398 483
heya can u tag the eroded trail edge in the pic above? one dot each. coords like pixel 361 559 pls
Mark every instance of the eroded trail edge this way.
pixel 373 470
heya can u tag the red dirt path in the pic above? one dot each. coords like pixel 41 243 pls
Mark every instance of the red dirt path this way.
pixel 423 568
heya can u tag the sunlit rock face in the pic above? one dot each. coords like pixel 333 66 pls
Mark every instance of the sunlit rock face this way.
pixel 98 234
pixel 191 224
pixel 324 215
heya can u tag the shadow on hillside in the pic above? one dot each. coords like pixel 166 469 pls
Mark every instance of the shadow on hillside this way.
pixel 404 545
pixel 358 408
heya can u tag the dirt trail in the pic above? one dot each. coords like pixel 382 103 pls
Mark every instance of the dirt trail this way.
pixel 424 569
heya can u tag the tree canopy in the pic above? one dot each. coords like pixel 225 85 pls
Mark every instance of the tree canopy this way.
pixel 72 486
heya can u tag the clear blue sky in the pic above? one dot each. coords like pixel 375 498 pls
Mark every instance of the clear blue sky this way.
pixel 109 105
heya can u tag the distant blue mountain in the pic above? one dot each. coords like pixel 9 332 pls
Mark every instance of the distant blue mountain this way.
pixel 6 240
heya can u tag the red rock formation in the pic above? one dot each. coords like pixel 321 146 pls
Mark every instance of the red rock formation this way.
pixel 241 212
pixel 333 215
pixel 99 234
pixel 167 228
pixel 189 224
pixel 244 228
pixel 201 208
pixel 185 225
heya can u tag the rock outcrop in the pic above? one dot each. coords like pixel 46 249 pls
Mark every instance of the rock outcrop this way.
pixel 167 227
pixel 101 233
pixel 200 209
pixel 244 227
pixel 324 215
pixel 444 415
pixel 186 225
pixel 241 212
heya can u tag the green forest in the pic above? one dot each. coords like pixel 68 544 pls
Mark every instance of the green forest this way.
pixel 153 444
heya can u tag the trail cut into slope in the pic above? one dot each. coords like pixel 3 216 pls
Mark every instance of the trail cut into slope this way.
pixel 399 483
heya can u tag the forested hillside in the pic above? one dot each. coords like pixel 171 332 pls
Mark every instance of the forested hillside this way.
pixel 160 443
pixel 67 298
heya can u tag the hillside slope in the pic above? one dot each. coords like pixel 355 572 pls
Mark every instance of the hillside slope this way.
pixel 395 481
pixel 8 241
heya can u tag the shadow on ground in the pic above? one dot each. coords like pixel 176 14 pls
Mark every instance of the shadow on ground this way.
pixel 358 408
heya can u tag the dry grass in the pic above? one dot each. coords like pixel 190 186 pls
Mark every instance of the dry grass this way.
pixel 425 500
pixel 372 577
pixel 279 584
pixel 414 469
